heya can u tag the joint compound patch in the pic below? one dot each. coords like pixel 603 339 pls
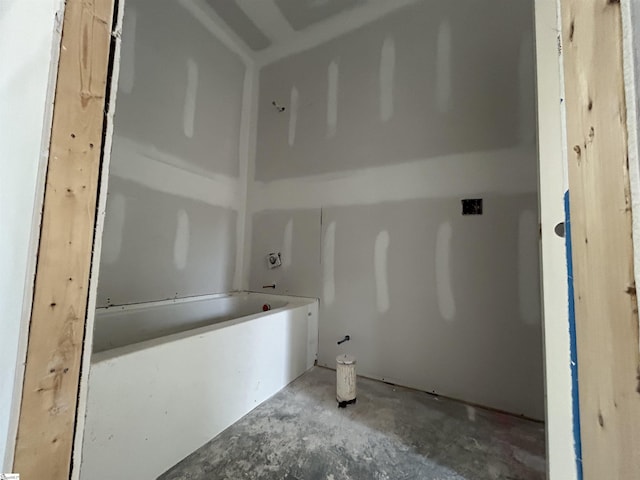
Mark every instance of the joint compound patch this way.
pixel 332 99
pixel 443 67
pixel 381 274
pixel 190 97
pixel 328 264
pixel 293 115
pixel 181 242
pixel 444 288
pixel 387 74
pixel 287 244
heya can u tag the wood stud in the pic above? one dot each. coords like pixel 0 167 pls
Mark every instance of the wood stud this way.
pixel 605 294
pixel 56 332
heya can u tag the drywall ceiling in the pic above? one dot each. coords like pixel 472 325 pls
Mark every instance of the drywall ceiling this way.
pixel 266 30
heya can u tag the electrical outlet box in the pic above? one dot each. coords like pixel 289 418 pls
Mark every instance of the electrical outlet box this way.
pixel 472 206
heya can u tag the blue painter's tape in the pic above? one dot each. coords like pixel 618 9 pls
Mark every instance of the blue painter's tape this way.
pixel 573 345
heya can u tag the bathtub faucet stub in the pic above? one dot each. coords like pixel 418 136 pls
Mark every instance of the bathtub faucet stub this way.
pixel 273 285
pixel 345 339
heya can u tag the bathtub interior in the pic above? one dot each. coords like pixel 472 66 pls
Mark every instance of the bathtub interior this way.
pixel 127 325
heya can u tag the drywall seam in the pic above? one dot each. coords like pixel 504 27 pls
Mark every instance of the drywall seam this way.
pixel 328 265
pixel 181 240
pixel 332 98
pixel 244 266
pixel 380 259
pixel 293 115
pixel 116 43
pixel 387 74
pixel 329 29
pixel 149 167
pixel 249 106
pixel 630 37
pixel 34 240
pixel 190 100
pixel 470 174
pixel 444 287
pixel 204 14
pixel 126 147
pixel 287 244
pixel 444 55
pixel 244 153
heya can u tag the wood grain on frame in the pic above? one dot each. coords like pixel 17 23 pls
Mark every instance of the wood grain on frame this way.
pixel 605 291
pixel 52 371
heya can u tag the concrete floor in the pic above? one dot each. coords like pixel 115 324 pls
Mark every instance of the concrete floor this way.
pixel 391 433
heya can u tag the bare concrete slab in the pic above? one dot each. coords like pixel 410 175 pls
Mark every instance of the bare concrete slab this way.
pixel 390 433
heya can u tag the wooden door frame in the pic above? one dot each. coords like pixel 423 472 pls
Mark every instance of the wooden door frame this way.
pixel 606 313
pixel 51 411
pixel 59 345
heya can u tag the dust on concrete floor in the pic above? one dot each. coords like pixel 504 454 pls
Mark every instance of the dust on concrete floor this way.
pixel 390 433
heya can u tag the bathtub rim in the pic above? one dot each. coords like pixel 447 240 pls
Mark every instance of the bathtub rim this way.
pixel 192 298
pixel 293 302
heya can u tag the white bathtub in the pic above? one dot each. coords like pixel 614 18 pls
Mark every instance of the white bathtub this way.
pixel 166 378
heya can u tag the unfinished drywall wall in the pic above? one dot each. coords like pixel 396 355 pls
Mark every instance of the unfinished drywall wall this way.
pixel 407 86
pixel 385 130
pixel 296 235
pixel 182 245
pixel 175 189
pixel 26 86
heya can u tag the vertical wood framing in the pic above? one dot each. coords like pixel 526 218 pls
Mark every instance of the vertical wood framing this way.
pixel 605 292
pixel 54 353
